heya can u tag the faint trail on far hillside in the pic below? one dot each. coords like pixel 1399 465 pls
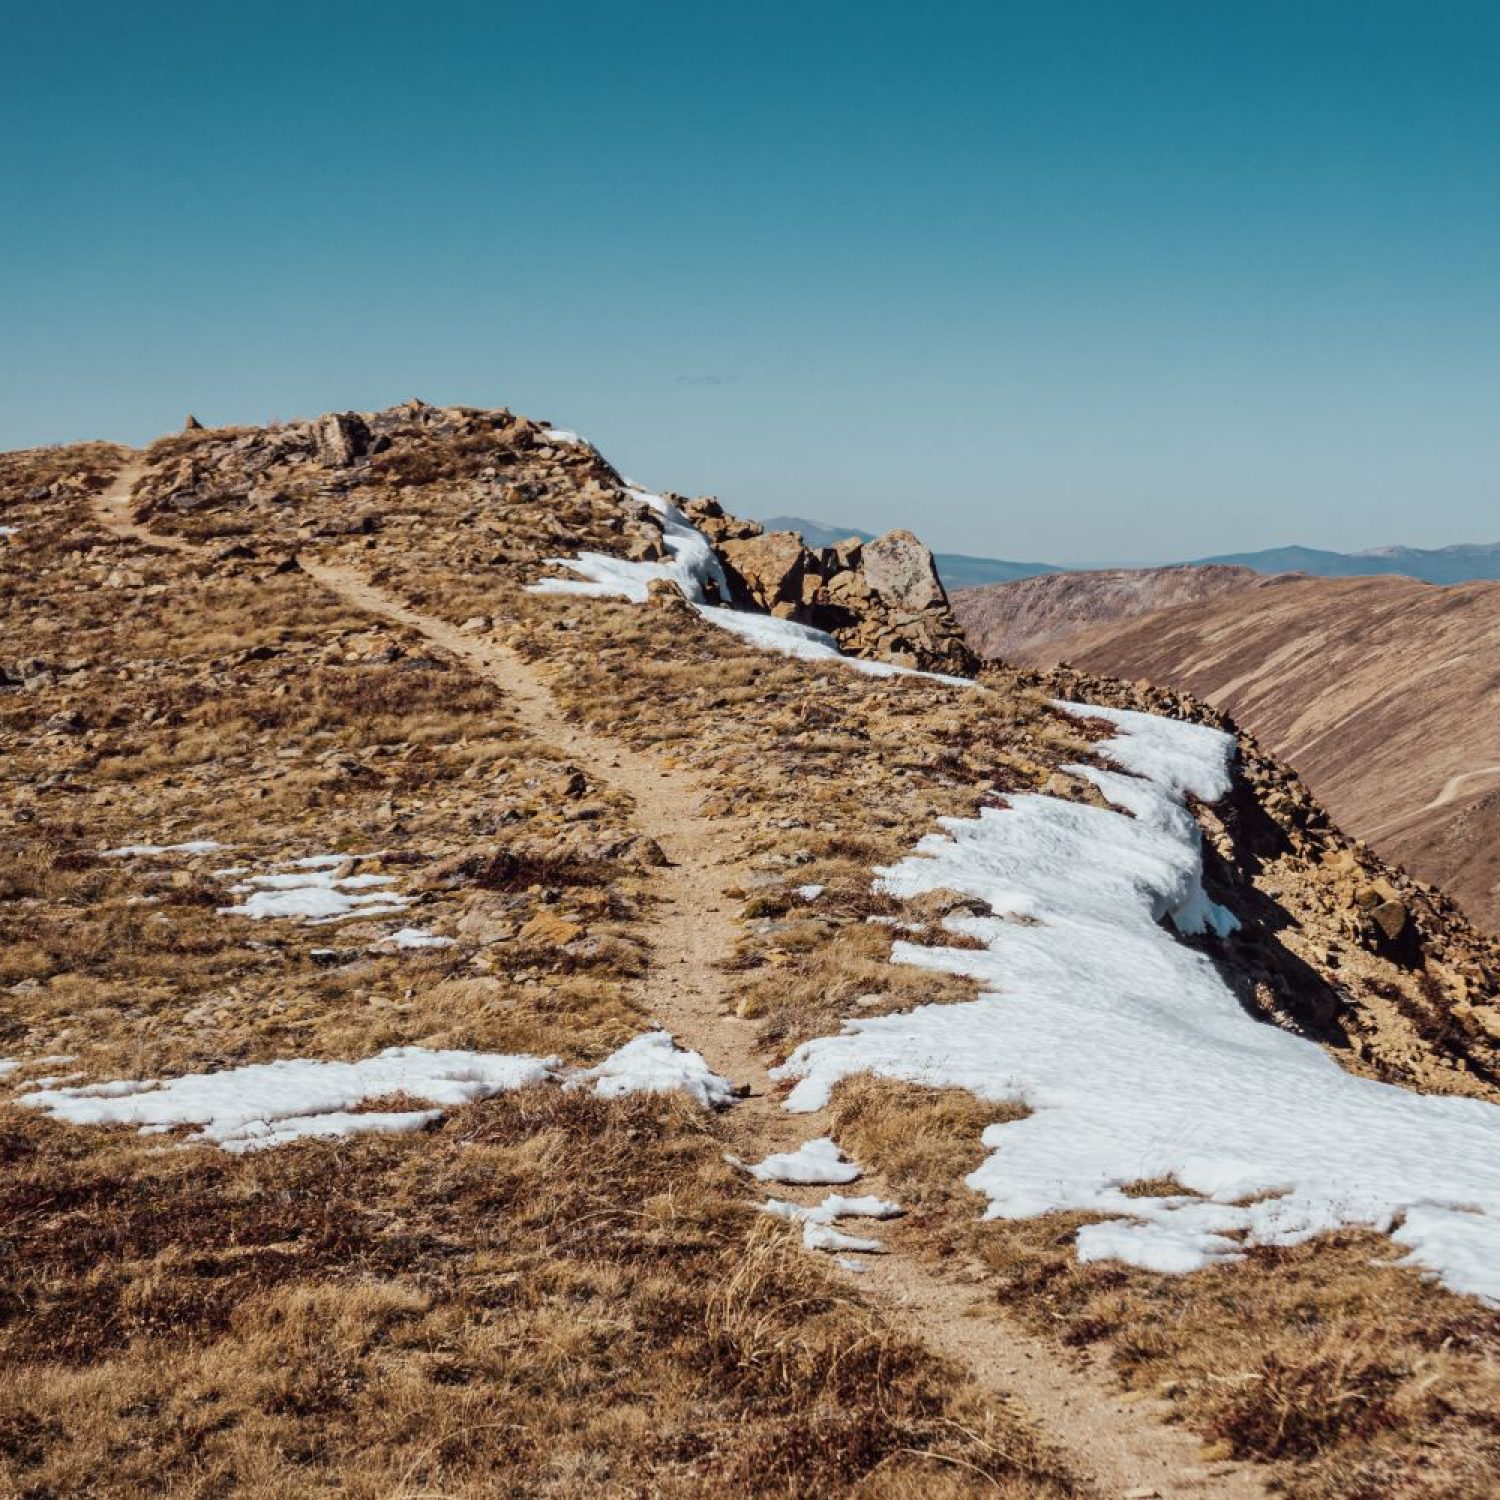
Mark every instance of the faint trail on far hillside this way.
pixel 1453 789
pixel 1121 1449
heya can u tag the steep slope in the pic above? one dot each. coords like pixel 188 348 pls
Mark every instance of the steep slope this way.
pixel 1019 621
pixel 1381 691
pixel 455 652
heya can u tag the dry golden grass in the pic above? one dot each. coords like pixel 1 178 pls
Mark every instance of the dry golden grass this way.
pixel 434 1336
pixel 548 1293
pixel 1353 1376
pixel 544 1294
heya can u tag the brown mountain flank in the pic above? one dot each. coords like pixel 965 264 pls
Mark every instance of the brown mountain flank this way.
pixel 1019 621
pixel 1383 692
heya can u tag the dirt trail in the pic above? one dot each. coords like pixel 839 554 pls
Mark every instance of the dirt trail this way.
pixel 1123 1449
pixel 1453 789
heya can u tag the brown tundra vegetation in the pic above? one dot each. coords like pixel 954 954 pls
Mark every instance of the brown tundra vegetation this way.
pixel 316 639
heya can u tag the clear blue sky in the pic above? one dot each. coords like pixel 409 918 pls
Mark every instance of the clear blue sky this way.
pixel 1058 280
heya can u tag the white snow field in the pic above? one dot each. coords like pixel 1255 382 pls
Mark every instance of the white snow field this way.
pixel 693 564
pixel 268 1104
pixel 1137 1061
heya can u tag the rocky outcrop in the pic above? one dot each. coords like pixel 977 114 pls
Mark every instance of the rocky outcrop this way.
pixel 342 437
pixel 880 599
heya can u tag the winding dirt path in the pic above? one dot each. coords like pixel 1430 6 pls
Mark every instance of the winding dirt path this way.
pixel 1121 1449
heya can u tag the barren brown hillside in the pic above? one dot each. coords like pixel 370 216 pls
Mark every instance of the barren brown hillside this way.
pixel 1384 693
pixel 1020 621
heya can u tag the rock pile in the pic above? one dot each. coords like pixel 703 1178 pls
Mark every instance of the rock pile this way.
pixel 879 599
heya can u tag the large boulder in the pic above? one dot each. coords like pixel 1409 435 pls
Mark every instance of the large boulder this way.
pixel 768 571
pixel 342 436
pixel 901 571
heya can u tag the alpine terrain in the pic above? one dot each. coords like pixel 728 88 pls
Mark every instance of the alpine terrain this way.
pixel 511 982
pixel 1381 691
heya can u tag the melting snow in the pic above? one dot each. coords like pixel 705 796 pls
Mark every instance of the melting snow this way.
pixel 9 1065
pixel 818 1232
pixel 269 1104
pixel 315 894
pixel 417 937
pixel 1137 1061
pixel 693 564
pixel 810 892
pixel 834 1206
pixel 654 1064
pixel 818 1160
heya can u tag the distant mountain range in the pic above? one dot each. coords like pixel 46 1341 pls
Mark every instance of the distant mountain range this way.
pixel 1463 563
pixel 956 569
pixel 1460 564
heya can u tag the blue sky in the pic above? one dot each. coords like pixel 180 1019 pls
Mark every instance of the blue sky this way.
pixel 1057 280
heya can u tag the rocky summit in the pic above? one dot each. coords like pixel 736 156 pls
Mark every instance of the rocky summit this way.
pixel 513 980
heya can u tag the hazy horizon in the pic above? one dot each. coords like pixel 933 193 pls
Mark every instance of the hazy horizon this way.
pixel 1164 281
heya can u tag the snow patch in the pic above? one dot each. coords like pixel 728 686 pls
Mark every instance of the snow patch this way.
pixel 308 889
pixel 417 937
pixel 1136 1060
pixel 814 1161
pixel 268 1104
pixel 810 892
pixel 653 1063
pixel 834 1206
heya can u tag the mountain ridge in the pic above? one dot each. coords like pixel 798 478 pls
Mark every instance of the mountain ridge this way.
pixel 657 845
